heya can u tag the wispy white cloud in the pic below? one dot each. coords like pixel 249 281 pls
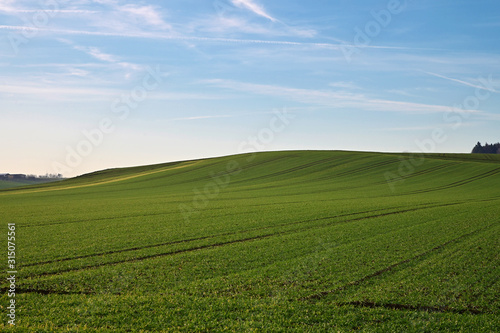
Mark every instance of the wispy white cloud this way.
pixel 186 96
pixel 77 72
pixel 406 129
pixel 223 24
pixel 67 31
pixel 97 54
pixel 231 24
pixel 44 92
pixel 332 99
pixel 144 14
pixel 246 114
pixel 12 10
pixel 173 36
pixel 425 128
pixel 254 7
pixel 15 8
pixel 112 15
pixel 344 85
pixel 402 92
pixel 301 32
pixel 106 2
pixel 202 117
pixel 481 87
pixel 490 116
pixel 297 94
pixel 129 18
pixel 62 89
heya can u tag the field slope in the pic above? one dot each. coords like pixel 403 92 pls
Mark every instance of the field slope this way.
pixel 4 184
pixel 297 241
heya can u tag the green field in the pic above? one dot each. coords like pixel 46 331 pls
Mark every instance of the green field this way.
pixel 298 241
pixel 23 182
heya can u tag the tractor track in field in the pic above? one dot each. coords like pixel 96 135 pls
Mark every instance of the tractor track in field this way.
pixel 295 169
pixel 158 255
pixel 458 183
pixel 96 219
pixel 475 296
pixel 424 308
pixel 381 182
pixel 389 268
pixel 419 173
pixel 160 214
pixel 219 208
pixel 357 170
pixel 176 212
pixel 394 306
pixel 245 231
pixel 215 245
pixel 51 292
pixel 365 168
pixel 64 292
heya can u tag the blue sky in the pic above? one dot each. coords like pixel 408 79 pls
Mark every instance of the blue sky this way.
pixel 89 85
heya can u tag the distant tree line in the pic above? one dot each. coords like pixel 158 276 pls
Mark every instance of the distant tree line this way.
pixel 8 176
pixel 487 148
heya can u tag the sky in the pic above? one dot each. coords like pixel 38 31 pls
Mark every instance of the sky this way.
pixel 87 85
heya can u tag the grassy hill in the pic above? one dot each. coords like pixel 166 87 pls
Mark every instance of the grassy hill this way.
pixel 274 242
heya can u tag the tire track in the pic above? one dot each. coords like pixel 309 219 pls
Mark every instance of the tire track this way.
pixel 27 290
pixel 425 308
pixel 389 268
pixel 188 240
pixel 300 167
pixel 365 168
pixel 279 233
pixel 166 213
pixel 98 219
pixel 158 255
pixel 356 170
pixel 344 161
pixel 488 158
pixel 419 173
pixel 458 183
pixel 48 292
pixel 245 231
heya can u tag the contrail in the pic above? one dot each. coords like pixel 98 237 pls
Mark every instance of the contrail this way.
pixel 195 38
pixel 462 82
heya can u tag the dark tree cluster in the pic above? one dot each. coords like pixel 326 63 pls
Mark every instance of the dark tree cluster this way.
pixel 486 149
pixel 8 176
